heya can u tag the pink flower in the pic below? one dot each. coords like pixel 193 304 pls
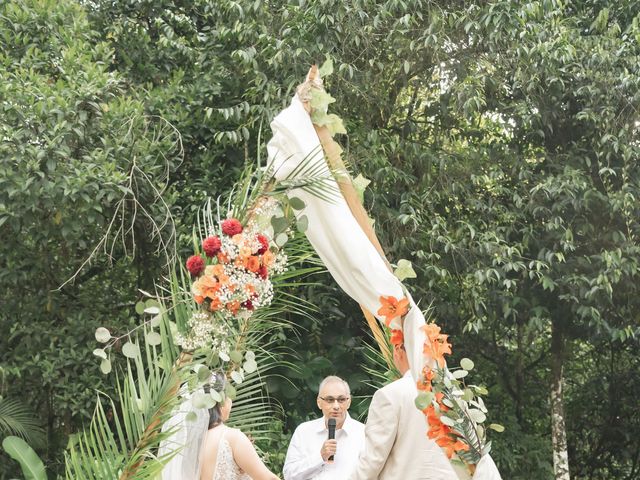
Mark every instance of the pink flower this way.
pixel 231 227
pixel 195 265
pixel 211 246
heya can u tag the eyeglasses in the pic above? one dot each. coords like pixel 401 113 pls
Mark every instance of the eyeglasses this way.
pixel 331 400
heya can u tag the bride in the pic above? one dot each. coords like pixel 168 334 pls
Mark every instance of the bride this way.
pixel 206 449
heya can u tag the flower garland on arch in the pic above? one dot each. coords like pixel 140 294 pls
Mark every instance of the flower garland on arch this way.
pixel 454 411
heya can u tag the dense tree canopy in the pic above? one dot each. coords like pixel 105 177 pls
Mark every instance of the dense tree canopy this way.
pixel 500 138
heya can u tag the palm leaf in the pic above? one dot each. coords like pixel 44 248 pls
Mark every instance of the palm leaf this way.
pixel 17 419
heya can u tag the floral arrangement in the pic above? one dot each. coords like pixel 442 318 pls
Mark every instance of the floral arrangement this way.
pixel 233 278
pixel 454 411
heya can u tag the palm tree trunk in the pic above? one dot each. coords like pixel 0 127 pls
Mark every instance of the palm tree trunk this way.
pixel 558 430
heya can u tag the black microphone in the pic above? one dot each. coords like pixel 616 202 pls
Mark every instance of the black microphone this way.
pixel 331 424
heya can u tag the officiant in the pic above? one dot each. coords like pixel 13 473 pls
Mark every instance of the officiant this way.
pixel 311 454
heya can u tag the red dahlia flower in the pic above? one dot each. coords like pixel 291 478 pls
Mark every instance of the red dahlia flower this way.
pixel 231 227
pixel 195 265
pixel 262 272
pixel 264 244
pixel 211 246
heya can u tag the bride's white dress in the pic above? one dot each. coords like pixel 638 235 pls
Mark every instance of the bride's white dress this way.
pixel 226 467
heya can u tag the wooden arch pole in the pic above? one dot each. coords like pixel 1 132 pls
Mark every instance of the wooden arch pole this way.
pixel 332 154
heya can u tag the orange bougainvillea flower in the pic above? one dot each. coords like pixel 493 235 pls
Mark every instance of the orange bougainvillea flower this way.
pixel 391 308
pixel 436 345
pixel 397 338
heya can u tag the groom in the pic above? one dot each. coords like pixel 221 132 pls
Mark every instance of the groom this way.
pixel 396 442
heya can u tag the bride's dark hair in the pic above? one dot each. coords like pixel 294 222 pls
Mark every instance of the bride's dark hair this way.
pixel 217 383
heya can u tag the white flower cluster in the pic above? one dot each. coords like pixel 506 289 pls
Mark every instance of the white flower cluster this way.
pixel 205 331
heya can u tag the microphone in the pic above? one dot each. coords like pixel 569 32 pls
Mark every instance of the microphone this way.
pixel 331 424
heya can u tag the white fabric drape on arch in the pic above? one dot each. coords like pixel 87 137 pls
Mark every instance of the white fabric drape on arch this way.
pixel 341 244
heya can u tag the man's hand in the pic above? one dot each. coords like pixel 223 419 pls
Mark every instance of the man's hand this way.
pixel 328 448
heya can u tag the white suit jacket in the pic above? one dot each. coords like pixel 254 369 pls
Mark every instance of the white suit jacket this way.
pixel 396 442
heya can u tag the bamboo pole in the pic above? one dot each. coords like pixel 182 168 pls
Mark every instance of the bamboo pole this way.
pixel 332 154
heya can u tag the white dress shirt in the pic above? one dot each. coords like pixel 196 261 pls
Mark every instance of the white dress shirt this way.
pixel 304 461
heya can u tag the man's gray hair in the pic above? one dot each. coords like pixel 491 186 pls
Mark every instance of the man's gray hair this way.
pixel 334 378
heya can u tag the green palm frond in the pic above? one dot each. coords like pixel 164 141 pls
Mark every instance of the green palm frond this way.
pixel 17 419
pixel 125 432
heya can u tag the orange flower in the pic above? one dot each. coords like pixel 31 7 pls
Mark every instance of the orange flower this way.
pixel 267 258
pixel 436 345
pixel 391 308
pixel 250 288
pixel 223 257
pixel 233 306
pixel 215 304
pixel 397 338
pixel 252 264
pixel 205 287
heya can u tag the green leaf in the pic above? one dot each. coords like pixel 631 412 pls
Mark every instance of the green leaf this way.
pixel 477 415
pixel 279 224
pixel 302 224
pixel 102 335
pixel 153 338
pixel 360 184
pixel 281 239
pixel 404 270
pixel 327 68
pixel 237 377
pixel 450 422
pixel 230 391
pixel 296 203
pixel 98 352
pixel 105 366
pixel 497 427
pixel 236 356
pixel 250 366
pixel 423 400
pixel 140 308
pixel 467 364
pixel 20 451
pixel 460 374
pixel 130 350
pixel 320 100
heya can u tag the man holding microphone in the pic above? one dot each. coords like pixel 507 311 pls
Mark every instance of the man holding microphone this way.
pixel 312 454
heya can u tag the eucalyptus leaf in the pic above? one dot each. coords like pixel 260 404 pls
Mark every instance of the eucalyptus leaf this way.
pixel 302 224
pixel 98 352
pixel 460 374
pixel 447 420
pixel 477 415
pixel 140 308
pixel 105 366
pixel 467 364
pixel 281 239
pixel 236 356
pixel 296 203
pixel 130 350
pixel 153 338
pixel 250 366
pixel 236 376
pixel 102 335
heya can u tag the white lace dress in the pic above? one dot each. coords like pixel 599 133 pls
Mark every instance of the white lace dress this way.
pixel 226 467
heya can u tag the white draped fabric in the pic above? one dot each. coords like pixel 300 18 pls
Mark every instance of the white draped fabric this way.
pixel 342 245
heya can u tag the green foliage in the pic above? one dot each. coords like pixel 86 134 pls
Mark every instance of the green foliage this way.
pixel 19 450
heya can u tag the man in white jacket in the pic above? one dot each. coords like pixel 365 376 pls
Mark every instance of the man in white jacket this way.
pixel 396 442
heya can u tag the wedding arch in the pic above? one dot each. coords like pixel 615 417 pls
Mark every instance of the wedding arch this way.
pixel 208 317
